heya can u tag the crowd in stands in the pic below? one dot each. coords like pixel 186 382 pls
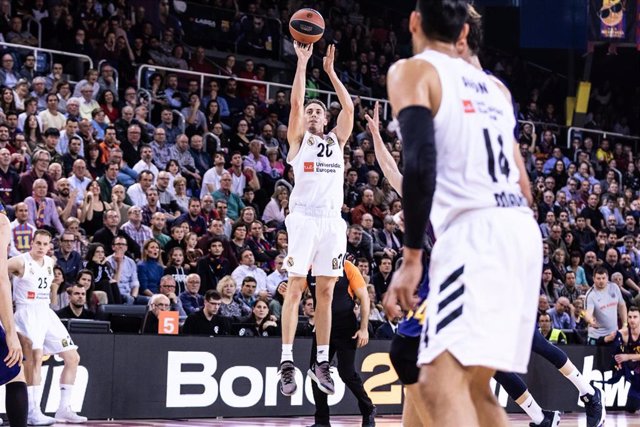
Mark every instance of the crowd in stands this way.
pixel 186 212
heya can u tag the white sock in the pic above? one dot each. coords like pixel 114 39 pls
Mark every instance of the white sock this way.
pixel 30 395
pixel 322 353
pixel 38 390
pixel 65 395
pixel 287 353
pixel 531 407
pixel 580 382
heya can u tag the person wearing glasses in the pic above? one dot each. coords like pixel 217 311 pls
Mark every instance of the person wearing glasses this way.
pixel 207 321
pixel 157 303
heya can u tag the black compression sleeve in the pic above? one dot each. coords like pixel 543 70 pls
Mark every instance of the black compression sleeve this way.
pixel 419 176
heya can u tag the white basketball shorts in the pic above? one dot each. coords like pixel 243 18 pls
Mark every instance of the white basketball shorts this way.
pixel 485 276
pixel 316 242
pixel 43 328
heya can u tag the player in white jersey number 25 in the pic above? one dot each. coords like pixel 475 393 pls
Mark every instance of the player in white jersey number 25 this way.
pixel 317 232
pixel 41 331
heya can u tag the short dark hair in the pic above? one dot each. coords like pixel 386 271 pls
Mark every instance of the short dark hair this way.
pixel 633 308
pixel 212 294
pixel 249 279
pixel 474 38
pixel 600 270
pixel 443 20
pixel 316 101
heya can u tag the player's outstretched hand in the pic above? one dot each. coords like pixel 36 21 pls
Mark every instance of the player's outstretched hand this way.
pixel 304 51
pixel 374 122
pixel 362 337
pixel 14 355
pixel 402 289
pixel 327 61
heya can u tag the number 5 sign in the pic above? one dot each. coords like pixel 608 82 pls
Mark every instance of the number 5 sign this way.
pixel 168 323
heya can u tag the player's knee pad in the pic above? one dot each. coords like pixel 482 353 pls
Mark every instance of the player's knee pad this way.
pixel 404 358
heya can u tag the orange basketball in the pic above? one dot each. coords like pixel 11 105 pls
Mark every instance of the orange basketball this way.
pixel 306 26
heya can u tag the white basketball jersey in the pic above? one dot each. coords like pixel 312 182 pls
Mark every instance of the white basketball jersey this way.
pixel 474 142
pixel 34 287
pixel 319 174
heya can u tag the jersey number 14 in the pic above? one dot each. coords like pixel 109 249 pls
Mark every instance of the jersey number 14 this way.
pixel 503 163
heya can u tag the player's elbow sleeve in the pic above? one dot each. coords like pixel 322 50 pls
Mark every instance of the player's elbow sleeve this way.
pixel 419 182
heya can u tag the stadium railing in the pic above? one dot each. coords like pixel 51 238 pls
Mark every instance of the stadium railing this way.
pixel 145 70
pixel 116 75
pixel 50 53
pixel 604 133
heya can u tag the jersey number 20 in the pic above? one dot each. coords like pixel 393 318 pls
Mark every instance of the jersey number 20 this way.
pixel 503 163
pixel 322 151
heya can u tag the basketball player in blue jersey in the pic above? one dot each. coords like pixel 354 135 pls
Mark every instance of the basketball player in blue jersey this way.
pixel 11 374
pixel 317 232
pixel 476 188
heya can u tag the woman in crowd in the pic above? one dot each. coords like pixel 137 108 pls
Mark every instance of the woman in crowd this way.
pixel 95 166
pixel 261 322
pixel 63 90
pixel 575 265
pixel 281 242
pixel 238 238
pixel 176 268
pixel 59 298
pixel 103 275
pixel 180 187
pixel 275 211
pixel 240 139
pixel 221 130
pixel 231 306
pixel 150 269
pixel 92 209
pixel 261 248
pixel 32 133
pixel 212 114
pixel 558 267
pixel 7 103
pixel 559 174
pixel 192 253
pixel 276 163
pixel 107 101
pixel 247 216
pixel 72 225
pixel 288 179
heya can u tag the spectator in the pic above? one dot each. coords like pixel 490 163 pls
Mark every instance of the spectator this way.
pixel 21 231
pixel 125 272
pixel 604 306
pixel 230 307
pixel 18 35
pixel 180 152
pixel 389 328
pixel 247 267
pixel 8 76
pixel 382 278
pixel 146 161
pixel 196 222
pixel 176 267
pixel 103 275
pixel 234 204
pixel 157 303
pixel 247 293
pixel 208 321
pixel 261 248
pixel 76 308
pixel 168 289
pixel 69 260
pixel 51 117
pixel 192 301
pixel 42 209
pixel 561 314
pixel 138 192
pixel 150 269
pixel 214 266
pixel 261 322
pixel 553 335
pixel 134 227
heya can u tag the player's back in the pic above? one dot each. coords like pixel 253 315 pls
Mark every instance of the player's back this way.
pixel 474 125
pixel 318 168
pixel 34 286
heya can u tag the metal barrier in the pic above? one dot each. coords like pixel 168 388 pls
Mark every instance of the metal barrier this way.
pixel 605 134
pixel 272 87
pixel 31 21
pixel 49 52
pixel 182 123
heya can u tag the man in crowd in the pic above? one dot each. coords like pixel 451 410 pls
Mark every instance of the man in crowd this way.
pixel 207 321
pixel 76 308
pixel 191 299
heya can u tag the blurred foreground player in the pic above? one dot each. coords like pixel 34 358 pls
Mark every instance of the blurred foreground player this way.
pixel 11 374
pixel 477 197
pixel 41 331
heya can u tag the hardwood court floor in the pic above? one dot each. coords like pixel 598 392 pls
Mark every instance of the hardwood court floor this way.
pixel 568 420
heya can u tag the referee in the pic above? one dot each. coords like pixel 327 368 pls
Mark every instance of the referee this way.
pixel 346 337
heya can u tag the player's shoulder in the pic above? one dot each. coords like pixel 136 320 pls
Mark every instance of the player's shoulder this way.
pixel 414 67
pixel 501 86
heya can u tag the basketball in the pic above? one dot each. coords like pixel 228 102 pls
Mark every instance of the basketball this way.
pixel 306 26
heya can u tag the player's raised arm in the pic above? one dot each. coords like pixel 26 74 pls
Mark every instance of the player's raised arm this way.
pixel 344 127
pixel 385 160
pixel 296 128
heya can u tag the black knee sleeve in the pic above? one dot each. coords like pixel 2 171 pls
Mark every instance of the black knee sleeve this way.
pixel 404 358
